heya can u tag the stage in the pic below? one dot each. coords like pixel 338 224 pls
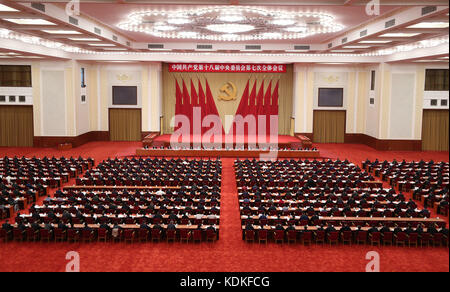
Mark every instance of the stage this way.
pixel 284 142
pixel 227 153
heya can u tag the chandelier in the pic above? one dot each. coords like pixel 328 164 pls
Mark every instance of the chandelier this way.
pixel 235 23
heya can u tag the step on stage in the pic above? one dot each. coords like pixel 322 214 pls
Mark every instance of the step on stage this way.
pixel 158 148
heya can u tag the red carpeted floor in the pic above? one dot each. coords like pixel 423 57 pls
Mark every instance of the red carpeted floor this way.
pixel 230 253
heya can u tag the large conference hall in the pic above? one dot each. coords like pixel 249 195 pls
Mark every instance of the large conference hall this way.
pixel 224 136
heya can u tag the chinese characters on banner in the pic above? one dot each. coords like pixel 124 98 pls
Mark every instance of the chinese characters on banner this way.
pixel 227 68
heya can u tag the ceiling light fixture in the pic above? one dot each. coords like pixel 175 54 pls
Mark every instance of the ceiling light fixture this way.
pixel 430 25
pixel 29 21
pixel 230 28
pixel 61 31
pixel 399 35
pixel 4 8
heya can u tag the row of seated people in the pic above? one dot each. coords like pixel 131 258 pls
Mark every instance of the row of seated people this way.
pixel 298 173
pixel 16 197
pixel 378 233
pixel 154 172
pixel 183 205
pixel 51 171
pixel 410 175
pixel 306 205
pixel 25 231
pixel 428 180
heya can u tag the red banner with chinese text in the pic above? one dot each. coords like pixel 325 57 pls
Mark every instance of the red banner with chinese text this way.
pixel 227 68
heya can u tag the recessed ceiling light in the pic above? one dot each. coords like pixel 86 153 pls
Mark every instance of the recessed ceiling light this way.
pixel 164 27
pixel 445 58
pixel 29 21
pixel 4 8
pixel 30 57
pixel 5 57
pixel 187 34
pixel 375 42
pixel 357 47
pixel 399 35
pixel 430 25
pixel 85 39
pixel 102 45
pixel 62 32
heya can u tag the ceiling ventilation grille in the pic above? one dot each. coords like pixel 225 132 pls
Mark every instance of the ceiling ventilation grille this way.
pixel 253 47
pixel 428 9
pixel 97 30
pixel 302 48
pixel 38 6
pixel 344 40
pixel 204 47
pixel 155 46
pixel 73 20
pixel 389 23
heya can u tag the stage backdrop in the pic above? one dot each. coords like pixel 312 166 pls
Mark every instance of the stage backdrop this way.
pixel 218 81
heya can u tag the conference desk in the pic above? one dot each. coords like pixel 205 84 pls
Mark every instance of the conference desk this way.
pixel 226 153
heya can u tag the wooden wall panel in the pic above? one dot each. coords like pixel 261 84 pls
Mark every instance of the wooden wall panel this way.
pixel 16 126
pixel 329 126
pixel 435 127
pixel 125 124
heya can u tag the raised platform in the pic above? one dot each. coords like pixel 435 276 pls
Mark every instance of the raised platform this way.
pixel 225 153
pixel 284 141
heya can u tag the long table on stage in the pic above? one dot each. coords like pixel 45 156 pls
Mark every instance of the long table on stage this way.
pixel 225 153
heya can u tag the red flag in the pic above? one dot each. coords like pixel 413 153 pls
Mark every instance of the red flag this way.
pixel 266 109
pixel 243 105
pixel 187 106
pixel 194 96
pixel 275 100
pixel 178 103
pixel 259 105
pixel 210 103
pixel 202 103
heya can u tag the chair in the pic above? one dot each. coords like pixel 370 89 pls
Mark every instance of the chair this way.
pixel 211 235
pixel 306 237
pixel 347 237
pixel 292 236
pixel 143 235
pixel 249 236
pixel 4 236
pixel 388 238
pixel 400 238
pixel 333 237
pixel 425 239
pixel 413 239
pixel 32 235
pixel 197 235
pixel 87 235
pixel 128 236
pixel 279 236
pixel 102 235
pixel 185 235
pixel 171 235
pixel 156 235
pixel 60 235
pixel 18 235
pixel 361 237
pixel 263 236
pixel 375 238
pixel 45 235
pixel 437 239
pixel 319 237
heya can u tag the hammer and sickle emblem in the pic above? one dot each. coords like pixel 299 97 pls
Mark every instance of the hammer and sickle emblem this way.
pixel 228 92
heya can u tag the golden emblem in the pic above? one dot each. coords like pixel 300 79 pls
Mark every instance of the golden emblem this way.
pixel 123 77
pixel 228 92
